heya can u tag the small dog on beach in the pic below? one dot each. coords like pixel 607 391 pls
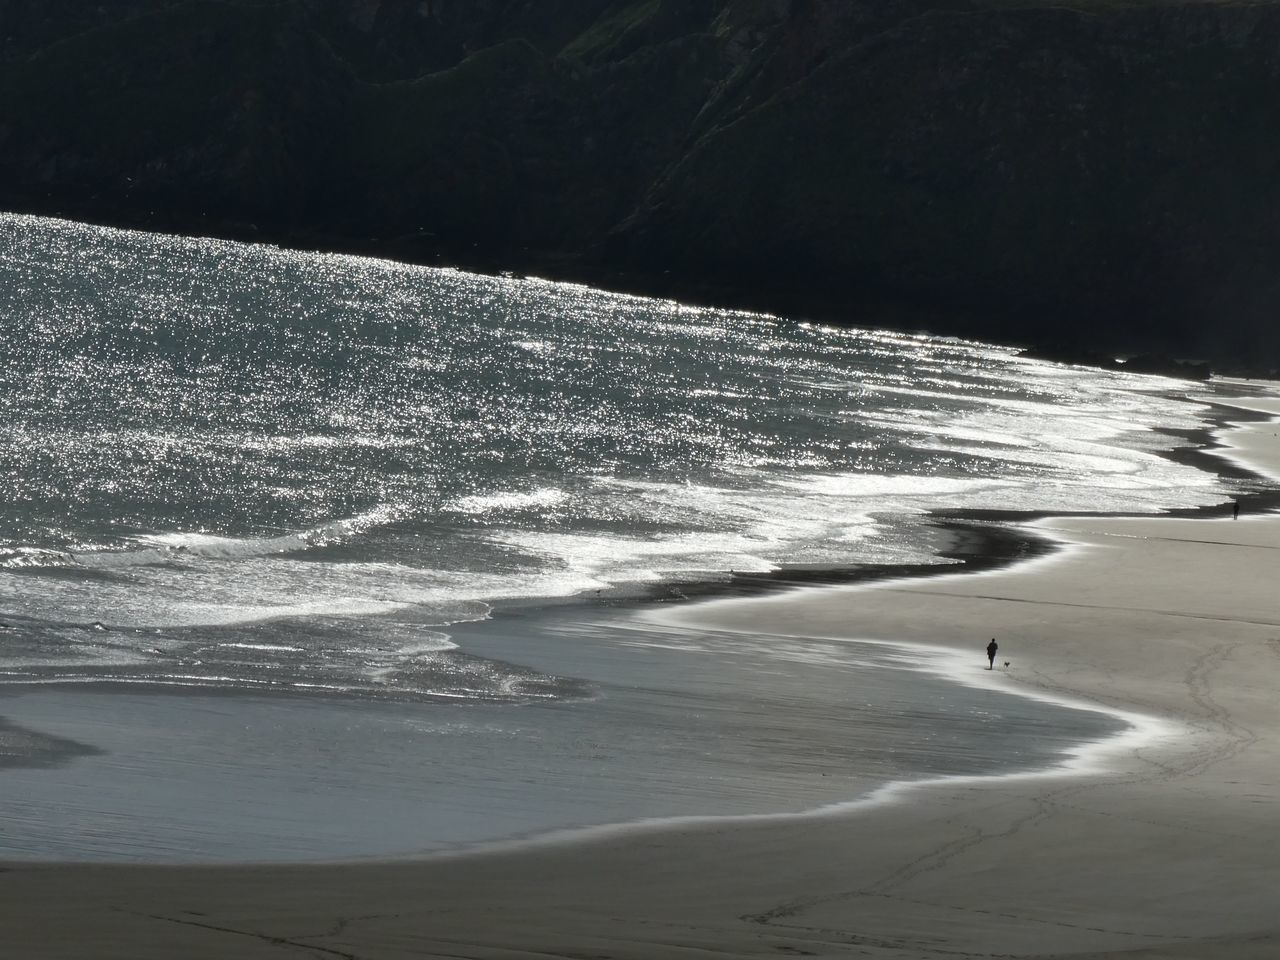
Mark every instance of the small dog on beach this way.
pixel 1006 664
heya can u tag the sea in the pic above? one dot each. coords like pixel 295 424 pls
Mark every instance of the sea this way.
pixel 306 556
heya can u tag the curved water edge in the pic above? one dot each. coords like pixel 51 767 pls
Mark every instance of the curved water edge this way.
pixel 1089 758
pixel 255 471
pixel 209 432
pixel 683 722
pixel 1083 758
pixel 1098 757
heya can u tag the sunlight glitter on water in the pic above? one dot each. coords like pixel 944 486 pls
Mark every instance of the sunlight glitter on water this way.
pixel 208 432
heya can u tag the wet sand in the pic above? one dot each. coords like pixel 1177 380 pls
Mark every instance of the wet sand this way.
pixel 677 723
pixel 1155 846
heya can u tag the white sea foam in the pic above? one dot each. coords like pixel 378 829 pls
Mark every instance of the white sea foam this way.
pixel 481 504
pixel 211 433
pixel 262 469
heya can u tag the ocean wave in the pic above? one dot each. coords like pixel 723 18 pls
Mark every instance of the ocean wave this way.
pixel 178 413
pixel 380 658
pixel 179 547
pixel 482 504
pixel 34 558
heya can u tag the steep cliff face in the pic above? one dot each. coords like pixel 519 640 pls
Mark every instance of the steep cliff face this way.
pixel 1020 169
pixel 1117 171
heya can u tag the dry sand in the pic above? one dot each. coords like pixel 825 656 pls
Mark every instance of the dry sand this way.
pixel 1158 847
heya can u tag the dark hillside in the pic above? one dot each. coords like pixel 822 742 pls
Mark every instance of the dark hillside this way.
pixel 1099 172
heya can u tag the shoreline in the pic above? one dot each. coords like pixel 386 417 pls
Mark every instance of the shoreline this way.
pixel 977 540
pixel 1155 857
pixel 982 538
pixel 859 774
pixel 1084 758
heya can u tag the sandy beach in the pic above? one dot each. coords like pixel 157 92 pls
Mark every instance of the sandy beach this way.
pixel 1153 845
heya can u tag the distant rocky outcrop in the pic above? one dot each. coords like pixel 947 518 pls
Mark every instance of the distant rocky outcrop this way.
pixel 1092 171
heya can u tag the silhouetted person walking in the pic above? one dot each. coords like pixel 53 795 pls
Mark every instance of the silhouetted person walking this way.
pixel 1235 509
pixel 992 647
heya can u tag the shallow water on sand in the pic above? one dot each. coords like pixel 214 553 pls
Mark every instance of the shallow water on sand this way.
pixel 670 724
pixel 263 502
